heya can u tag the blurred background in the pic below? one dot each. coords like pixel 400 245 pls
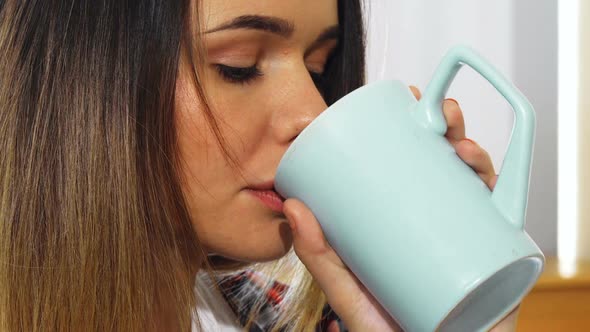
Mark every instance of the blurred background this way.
pixel 541 45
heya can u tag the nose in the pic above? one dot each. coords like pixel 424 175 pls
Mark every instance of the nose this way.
pixel 301 102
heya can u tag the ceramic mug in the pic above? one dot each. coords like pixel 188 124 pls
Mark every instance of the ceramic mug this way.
pixel 411 220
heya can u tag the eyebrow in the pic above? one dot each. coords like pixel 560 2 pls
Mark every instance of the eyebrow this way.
pixel 270 24
pixel 274 25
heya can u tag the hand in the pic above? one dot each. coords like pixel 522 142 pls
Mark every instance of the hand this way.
pixel 351 301
pixel 471 153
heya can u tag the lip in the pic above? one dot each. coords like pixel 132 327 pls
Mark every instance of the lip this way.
pixel 266 194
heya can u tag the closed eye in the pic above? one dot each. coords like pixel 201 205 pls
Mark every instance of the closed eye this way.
pixel 246 75
pixel 240 75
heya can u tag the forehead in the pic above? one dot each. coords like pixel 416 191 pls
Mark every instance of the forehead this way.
pixel 304 14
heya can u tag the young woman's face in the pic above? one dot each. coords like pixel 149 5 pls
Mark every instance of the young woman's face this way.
pixel 260 108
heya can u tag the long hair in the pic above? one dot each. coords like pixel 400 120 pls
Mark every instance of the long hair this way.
pixel 95 233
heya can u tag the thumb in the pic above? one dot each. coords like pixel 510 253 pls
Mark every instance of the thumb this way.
pixel 308 237
pixel 347 296
pixel 314 251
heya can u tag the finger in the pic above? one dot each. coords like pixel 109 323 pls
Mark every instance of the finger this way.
pixel 493 181
pixel 478 159
pixel 416 92
pixel 308 236
pixel 346 294
pixel 475 156
pixel 310 243
pixel 342 289
pixel 455 122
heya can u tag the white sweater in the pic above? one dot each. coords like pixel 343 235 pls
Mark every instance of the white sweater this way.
pixel 214 313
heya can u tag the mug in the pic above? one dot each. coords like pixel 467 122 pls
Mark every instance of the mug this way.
pixel 414 223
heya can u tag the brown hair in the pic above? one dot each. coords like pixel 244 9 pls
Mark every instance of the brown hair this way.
pixel 94 231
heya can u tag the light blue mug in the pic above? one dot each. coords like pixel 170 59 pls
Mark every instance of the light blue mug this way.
pixel 412 221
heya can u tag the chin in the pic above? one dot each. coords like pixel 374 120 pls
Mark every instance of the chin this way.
pixel 262 248
pixel 274 251
pixel 259 247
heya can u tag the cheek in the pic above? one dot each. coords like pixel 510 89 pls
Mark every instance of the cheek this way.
pixel 226 219
pixel 200 160
pixel 191 128
pixel 243 114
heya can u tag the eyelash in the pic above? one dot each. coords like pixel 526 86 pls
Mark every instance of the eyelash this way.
pixel 242 75
pixel 245 75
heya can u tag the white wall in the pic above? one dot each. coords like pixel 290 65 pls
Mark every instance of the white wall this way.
pixel 406 39
pixel 583 240
pixel 535 73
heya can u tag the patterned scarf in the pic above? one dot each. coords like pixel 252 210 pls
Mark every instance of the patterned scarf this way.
pixel 241 291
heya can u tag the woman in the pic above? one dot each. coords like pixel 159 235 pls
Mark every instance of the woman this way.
pixel 137 140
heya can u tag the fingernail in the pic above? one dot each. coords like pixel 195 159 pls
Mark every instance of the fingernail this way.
pixel 456 102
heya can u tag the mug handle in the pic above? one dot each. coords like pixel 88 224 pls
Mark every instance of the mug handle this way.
pixel 511 191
